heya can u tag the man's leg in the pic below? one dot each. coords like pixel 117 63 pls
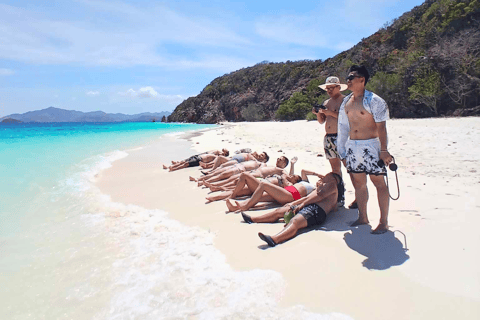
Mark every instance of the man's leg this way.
pixel 383 203
pixel 361 194
pixel 336 166
pixel 271 216
pixel 218 161
pixel 290 231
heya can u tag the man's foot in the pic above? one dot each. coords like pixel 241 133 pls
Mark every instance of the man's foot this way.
pixel 165 167
pixel 267 239
pixel 359 222
pixel 381 228
pixel 353 205
pixel 192 179
pixel 247 218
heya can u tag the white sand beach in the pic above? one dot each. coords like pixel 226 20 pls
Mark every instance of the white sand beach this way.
pixel 427 265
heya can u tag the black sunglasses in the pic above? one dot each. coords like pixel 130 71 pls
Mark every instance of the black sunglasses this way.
pixel 351 77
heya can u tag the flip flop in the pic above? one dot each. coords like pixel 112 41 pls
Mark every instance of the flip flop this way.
pixel 267 239
pixel 247 218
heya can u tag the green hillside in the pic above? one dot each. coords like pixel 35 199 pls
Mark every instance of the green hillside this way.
pixel 424 64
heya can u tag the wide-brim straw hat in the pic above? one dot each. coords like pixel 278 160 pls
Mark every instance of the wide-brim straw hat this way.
pixel 333 81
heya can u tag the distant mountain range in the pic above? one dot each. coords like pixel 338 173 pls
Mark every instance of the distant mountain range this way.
pixel 60 115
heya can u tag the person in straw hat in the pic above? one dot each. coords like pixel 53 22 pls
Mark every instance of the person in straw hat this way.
pixel 328 114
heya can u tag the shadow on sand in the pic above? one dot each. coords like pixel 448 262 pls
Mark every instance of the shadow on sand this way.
pixel 382 251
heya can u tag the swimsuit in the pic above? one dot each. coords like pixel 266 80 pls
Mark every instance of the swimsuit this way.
pixel 362 157
pixel 330 146
pixel 314 214
pixel 295 194
pixel 279 179
pixel 194 161
pixel 239 158
pixel 308 186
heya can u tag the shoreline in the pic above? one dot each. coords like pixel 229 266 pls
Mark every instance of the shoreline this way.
pixel 330 266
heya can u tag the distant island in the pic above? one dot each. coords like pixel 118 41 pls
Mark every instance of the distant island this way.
pixel 10 120
pixel 61 115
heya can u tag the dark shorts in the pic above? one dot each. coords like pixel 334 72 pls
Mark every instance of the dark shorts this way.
pixel 314 214
pixel 194 161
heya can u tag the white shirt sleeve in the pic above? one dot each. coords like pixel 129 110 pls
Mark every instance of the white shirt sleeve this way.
pixel 379 109
pixel 343 130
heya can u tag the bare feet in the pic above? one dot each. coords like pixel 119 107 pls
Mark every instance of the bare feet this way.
pixel 381 228
pixel 231 207
pixel 208 200
pixel 165 167
pixel 192 179
pixel 359 222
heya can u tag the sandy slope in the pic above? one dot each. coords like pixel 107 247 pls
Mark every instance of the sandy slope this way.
pixel 337 268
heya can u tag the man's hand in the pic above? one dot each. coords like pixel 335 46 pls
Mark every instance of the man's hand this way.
pixel 386 157
pixel 294 160
pixel 313 111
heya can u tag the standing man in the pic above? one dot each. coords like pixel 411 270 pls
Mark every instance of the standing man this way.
pixel 329 116
pixel 362 142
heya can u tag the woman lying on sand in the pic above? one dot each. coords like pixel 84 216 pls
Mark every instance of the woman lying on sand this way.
pixel 309 211
pixel 248 183
pixel 275 193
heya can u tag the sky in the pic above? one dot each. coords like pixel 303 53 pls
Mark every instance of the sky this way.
pixel 148 56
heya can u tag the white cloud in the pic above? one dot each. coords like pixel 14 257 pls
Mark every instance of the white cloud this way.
pixel 127 36
pixel 6 72
pixel 92 93
pixel 145 92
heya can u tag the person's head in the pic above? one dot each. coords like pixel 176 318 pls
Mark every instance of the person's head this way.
pixel 294 178
pixel 357 77
pixel 282 162
pixel 225 152
pixel 262 157
pixel 333 86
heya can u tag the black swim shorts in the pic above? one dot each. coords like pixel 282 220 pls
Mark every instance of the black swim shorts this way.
pixel 194 161
pixel 314 214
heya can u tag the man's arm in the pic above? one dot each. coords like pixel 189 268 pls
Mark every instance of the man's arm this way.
pixel 314 197
pixel 343 130
pixel 382 136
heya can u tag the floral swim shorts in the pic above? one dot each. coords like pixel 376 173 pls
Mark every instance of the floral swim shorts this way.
pixel 330 146
pixel 363 155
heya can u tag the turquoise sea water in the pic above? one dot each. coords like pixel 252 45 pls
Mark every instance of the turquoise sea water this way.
pixel 36 157
pixel 68 252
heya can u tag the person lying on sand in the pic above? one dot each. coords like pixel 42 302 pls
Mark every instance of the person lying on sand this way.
pixel 248 183
pixel 225 173
pixel 309 211
pixel 223 152
pixel 275 193
pixel 194 161
pixel 262 172
pixel 222 161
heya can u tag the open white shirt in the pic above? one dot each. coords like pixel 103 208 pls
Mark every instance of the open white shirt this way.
pixel 375 105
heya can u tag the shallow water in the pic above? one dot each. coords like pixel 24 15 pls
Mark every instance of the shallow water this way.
pixel 67 251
